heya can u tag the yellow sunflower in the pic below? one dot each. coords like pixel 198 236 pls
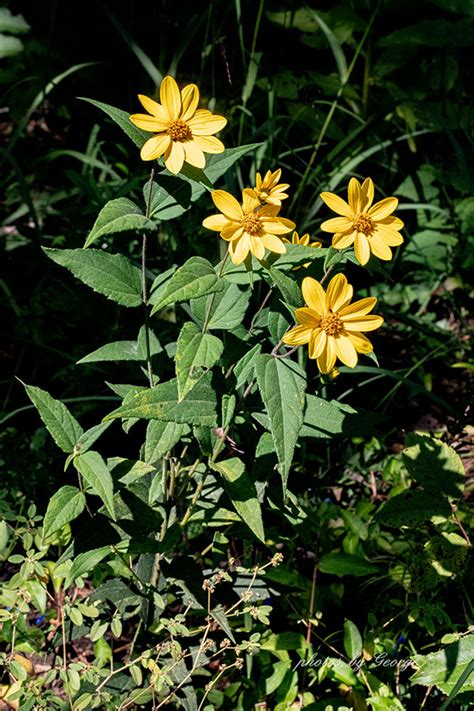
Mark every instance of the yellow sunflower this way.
pixel 305 242
pixel 331 325
pixel 370 228
pixel 269 190
pixel 249 227
pixel 183 132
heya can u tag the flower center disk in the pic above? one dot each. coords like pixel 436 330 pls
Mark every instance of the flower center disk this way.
pixel 179 130
pixel 364 224
pixel 332 324
pixel 252 224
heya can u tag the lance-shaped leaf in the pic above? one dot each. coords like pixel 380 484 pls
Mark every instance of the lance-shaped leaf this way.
pixel 346 564
pixel 122 119
pixel 242 493
pixel 112 275
pixel 95 473
pixel 160 438
pixel 227 309
pixel 282 386
pixel 199 407
pixel 288 288
pixel 85 562
pixel 64 506
pixel 195 278
pixel 119 215
pixel 195 351
pixel 61 425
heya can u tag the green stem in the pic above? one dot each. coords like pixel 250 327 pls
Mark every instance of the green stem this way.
pixel 213 296
pixel 144 285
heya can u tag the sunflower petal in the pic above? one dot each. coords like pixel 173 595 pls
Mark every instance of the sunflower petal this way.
pixel 380 248
pixel 250 201
pixel 232 231
pixel 227 204
pixel 203 123
pixel 269 210
pixel 148 123
pixel 239 249
pixel 393 222
pixel 337 204
pixel 155 147
pixel 361 248
pixel 174 157
pixel 273 243
pixel 389 236
pixel 215 222
pixel 257 248
pixel 193 154
pixel 209 144
pixel 358 308
pixel 345 351
pixel 297 336
pixel 343 239
pixel 336 224
pixel 360 342
pixel 154 108
pixel 170 97
pixel 314 296
pixel 307 317
pixel 383 208
pixel 338 293
pixel 278 225
pixel 317 343
pixel 363 323
pixel 353 195
pixel 327 359
pixel 189 101
pixel 367 192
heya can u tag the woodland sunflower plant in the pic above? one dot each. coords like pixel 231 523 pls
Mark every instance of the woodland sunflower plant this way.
pixel 231 369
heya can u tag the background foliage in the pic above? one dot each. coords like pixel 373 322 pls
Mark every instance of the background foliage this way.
pixel 326 91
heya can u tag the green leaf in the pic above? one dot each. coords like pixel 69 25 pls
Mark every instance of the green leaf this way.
pixel 227 310
pixel 172 195
pixel 122 119
pixel 90 436
pixel 116 351
pixel 296 255
pixel 352 640
pixel 112 275
pixel 61 425
pixel 119 215
pixel 326 418
pixel 64 506
pixel 217 165
pixel 444 667
pixel 195 351
pixel 282 387
pixel 346 564
pixel 434 464
pixel 242 493
pixel 84 563
pixel 199 407
pixel 411 508
pixel 160 438
pixel 288 288
pixel 195 278
pixel 244 368
pixel 95 473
